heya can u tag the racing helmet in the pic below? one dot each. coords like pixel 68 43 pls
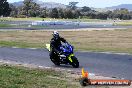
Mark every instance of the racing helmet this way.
pixel 55 34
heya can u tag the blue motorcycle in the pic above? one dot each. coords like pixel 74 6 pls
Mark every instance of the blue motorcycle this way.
pixel 67 57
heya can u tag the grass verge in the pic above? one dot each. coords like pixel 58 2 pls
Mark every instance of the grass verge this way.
pixel 125 23
pixel 104 40
pixel 22 77
pixel 5 25
pixel 42 19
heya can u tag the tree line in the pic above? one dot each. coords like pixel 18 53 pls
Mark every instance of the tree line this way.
pixel 32 9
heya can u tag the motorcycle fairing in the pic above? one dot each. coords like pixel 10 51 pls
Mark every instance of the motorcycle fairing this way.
pixel 69 57
pixel 48 47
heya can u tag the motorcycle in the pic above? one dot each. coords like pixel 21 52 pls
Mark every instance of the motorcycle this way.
pixel 66 57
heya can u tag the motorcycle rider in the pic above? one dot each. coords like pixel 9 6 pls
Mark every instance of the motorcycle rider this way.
pixel 55 44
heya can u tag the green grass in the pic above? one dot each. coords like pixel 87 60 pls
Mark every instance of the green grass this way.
pixel 20 19
pixel 123 23
pixel 21 44
pixel 5 25
pixel 104 49
pixel 21 77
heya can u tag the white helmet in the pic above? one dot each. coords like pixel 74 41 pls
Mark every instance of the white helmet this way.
pixel 55 34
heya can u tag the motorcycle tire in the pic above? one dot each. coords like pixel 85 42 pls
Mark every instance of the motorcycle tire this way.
pixel 55 62
pixel 75 62
pixel 54 59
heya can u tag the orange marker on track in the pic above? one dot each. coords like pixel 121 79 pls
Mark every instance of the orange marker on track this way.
pixel 87 81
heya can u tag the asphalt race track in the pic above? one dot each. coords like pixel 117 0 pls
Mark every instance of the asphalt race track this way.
pixel 112 65
pixel 69 25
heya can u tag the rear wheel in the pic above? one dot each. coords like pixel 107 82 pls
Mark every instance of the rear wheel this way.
pixel 55 62
pixel 55 59
pixel 75 62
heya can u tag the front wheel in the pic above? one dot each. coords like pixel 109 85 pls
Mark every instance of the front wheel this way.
pixel 75 62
